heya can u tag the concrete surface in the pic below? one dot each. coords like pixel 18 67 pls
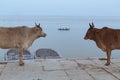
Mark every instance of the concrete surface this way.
pixel 61 69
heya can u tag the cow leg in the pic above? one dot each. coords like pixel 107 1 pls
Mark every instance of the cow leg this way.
pixel 108 57
pixel 21 63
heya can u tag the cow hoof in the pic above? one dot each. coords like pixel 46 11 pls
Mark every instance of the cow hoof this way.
pixel 21 64
pixel 107 64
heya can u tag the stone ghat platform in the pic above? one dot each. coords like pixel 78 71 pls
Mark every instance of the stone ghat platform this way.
pixel 61 69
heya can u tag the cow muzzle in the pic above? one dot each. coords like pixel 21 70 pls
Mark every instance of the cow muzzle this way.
pixel 42 34
pixel 45 35
pixel 85 38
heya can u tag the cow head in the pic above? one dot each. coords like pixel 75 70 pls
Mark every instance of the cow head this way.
pixel 38 30
pixel 90 32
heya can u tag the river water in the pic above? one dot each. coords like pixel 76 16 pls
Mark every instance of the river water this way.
pixel 69 44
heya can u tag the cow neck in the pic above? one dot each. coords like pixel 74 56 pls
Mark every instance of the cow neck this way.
pixel 97 38
pixel 96 34
pixel 32 35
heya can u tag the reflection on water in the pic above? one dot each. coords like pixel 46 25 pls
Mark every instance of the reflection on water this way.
pixel 66 43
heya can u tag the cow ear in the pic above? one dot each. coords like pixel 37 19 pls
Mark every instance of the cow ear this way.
pixel 35 29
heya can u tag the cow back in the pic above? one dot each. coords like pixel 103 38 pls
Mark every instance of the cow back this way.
pixel 10 37
pixel 108 38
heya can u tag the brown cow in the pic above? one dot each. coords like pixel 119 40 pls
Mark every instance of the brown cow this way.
pixel 106 39
pixel 20 37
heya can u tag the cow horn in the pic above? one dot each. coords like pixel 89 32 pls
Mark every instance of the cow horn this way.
pixel 35 24
pixel 89 24
pixel 39 24
pixel 92 24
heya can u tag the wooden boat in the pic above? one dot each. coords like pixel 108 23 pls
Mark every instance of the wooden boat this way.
pixel 64 29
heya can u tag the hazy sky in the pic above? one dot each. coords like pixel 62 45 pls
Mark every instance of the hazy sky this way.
pixel 60 7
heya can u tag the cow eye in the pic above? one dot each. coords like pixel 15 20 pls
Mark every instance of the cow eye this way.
pixel 40 28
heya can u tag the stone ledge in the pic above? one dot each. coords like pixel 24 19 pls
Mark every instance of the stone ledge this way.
pixel 61 69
